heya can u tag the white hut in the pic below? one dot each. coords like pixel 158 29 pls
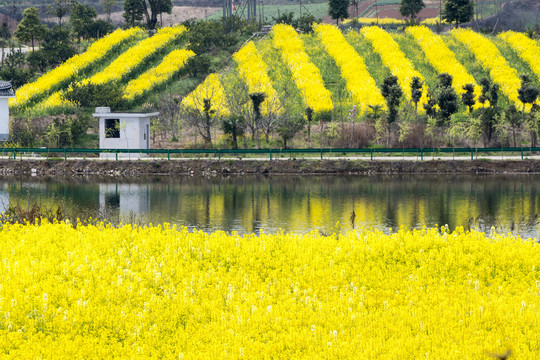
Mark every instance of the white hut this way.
pixel 6 92
pixel 123 130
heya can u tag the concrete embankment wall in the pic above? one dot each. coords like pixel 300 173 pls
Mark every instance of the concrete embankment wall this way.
pixel 276 167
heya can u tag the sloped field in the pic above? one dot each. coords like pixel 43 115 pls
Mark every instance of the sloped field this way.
pixel 296 72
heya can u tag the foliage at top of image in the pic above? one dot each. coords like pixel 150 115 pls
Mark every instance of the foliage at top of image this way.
pixel 338 9
pixel 458 11
pixel 303 23
pixel 411 8
pixel 149 10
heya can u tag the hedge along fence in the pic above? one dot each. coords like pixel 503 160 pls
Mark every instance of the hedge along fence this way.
pixel 16 153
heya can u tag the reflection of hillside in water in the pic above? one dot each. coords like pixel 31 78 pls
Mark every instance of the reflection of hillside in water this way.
pixel 302 203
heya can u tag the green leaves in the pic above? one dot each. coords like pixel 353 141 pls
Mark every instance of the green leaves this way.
pixel 30 28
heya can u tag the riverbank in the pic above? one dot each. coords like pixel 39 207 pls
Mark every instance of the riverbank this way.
pixel 264 167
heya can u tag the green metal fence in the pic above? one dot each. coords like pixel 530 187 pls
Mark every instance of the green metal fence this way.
pixel 421 153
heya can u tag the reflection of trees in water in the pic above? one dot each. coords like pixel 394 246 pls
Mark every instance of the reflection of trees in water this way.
pixel 304 203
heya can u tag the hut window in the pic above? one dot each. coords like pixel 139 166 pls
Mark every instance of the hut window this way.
pixel 112 128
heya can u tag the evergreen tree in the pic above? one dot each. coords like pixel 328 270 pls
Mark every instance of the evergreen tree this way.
pixel 133 11
pixel 235 126
pixel 257 100
pixel 166 6
pixel 309 118
pixel 527 93
pixel 59 9
pixel 411 8
pixel 447 98
pixel 392 93
pixel 490 93
pixel 81 19
pixel 338 9
pixel 30 28
pixel 468 96
pixel 416 92
pixel 458 11
pixel 57 46
pixel 429 106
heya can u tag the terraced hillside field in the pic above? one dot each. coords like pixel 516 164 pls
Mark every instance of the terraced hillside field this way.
pixel 322 71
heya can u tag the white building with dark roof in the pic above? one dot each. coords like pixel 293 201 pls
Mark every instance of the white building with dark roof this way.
pixel 6 92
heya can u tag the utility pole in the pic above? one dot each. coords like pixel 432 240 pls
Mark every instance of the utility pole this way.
pixel 377 10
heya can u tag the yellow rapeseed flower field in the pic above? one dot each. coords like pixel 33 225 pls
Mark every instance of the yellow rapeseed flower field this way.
pixel 122 65
pixel 527 48
pixel 254 72
pixel 392 57
pixel 72 66
pixel 362 86
pixel 305 74
pixel 210 89
pixel 170 65
pixel 491 59
pixel 442 58
pixel 163 292
pixel 135 55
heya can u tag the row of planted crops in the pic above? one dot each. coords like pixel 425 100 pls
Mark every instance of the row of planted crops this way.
pixel 318 71
pixel 97 291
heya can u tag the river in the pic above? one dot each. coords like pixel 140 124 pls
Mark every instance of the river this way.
pixel 294 203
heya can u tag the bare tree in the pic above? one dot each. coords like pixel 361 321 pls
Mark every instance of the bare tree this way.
pixel 204 109
pixel 169 119
pixel 239 103
pixel 272 116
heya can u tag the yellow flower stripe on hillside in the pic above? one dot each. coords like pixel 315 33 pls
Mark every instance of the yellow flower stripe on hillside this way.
pixel 72 66
pixel 393 58
pixel 212 89
pixel 305 74
pixel 442 58
pixel 165 292
pixel 255 73
pixel 362 86
pixel 170 65
pixel 56 100
pixel 528 49
pixel 491 59
pixel 123 64
pixel 136 55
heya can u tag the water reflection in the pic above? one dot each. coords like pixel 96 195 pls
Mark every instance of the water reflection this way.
pixel 4 197
pixel 125 199
pixel 300 204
